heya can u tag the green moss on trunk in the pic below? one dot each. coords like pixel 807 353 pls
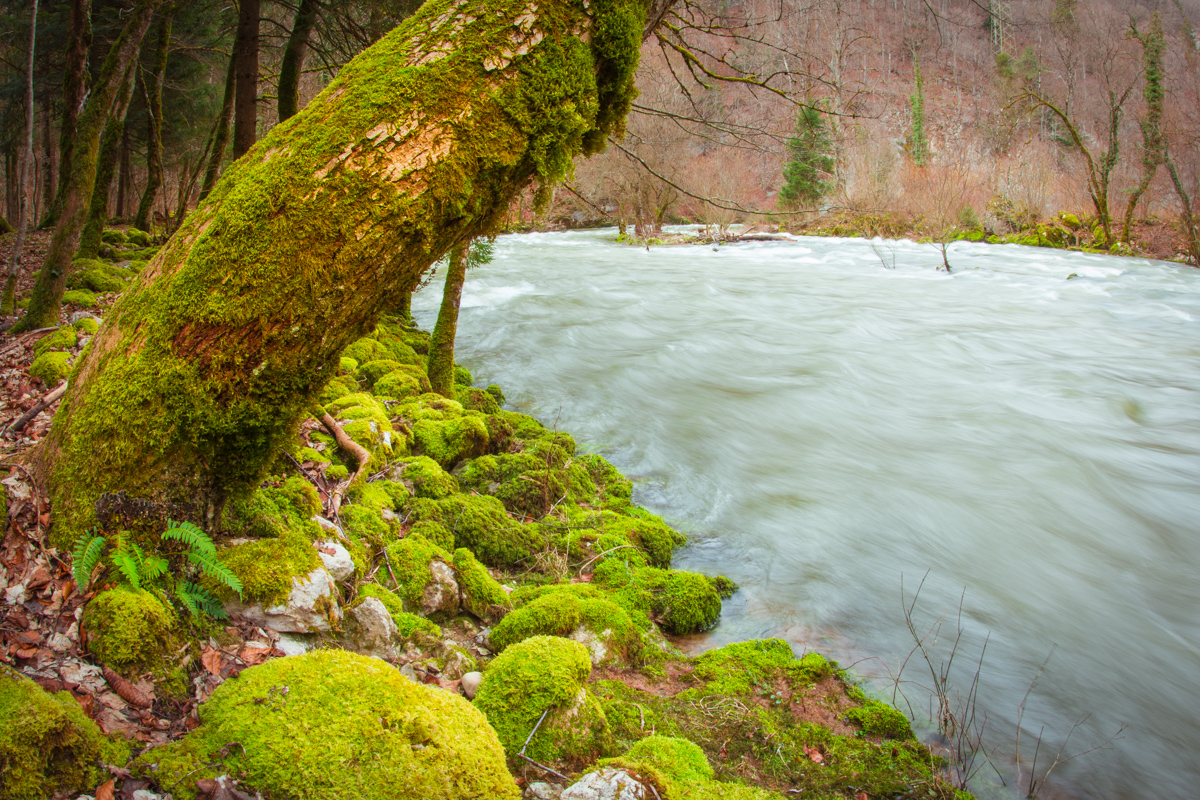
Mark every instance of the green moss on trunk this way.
pixel 207 362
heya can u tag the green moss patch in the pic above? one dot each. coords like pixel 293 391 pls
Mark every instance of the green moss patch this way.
pixel 680 769
pixel 482 594
pixel 410 559
pixel 266 567
pixel 51 368
pixel 408 624
pixel 61 339
pixel 559 613
pixel 480 524
pixel 47 744
pixel 340 726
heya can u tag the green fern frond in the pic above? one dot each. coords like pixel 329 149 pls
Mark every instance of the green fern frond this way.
pixel 153 567
pixel 187 598
pixel 85 557
pixel 127 564
pixel 196 539
pixel 216 570
pixel 197 599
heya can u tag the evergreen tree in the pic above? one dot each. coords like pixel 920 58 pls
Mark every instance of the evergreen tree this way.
pixel 918 145
pixel 810 161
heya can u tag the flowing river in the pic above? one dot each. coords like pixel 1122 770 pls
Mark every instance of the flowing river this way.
pixel 829 419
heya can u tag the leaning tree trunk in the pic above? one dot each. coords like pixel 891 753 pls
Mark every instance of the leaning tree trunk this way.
pixel 441 342
pixel 206 364
pixel 292 66
pixel 221 136
pixel 74 93
pixel 46 300
pixel 106 167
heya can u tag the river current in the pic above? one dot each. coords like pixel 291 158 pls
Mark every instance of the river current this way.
pixel 831 419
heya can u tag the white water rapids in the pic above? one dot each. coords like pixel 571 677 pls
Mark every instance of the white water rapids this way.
pixel 822 426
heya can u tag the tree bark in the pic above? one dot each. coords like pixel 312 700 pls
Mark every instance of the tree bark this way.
pixel 441 342
pixel 209 360
pixel 46 299
pixel 125 182
pixel 48 152
pixel 292 66
pixel 106 165
pixel 221 139
pixel 25 200
pixel 154 114
pixel 245 49
pixel 74 91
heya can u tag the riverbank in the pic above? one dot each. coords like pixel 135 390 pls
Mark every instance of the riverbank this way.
pixel 1161 240
pixel 476 552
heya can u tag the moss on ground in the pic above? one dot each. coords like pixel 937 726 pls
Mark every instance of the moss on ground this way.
pixel 338 726
pixel 48 746
pixel 482 594
pixel 681 771
pixel 481 524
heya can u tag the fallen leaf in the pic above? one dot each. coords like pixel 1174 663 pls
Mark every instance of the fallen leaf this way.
pixel 211 659
pixel 814 755
pixel 254 654
pixel 861 796
pixel 218 789
pixel 105 792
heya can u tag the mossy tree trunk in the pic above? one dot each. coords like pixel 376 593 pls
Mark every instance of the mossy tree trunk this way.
pixel 46 300
pixel 441 343
pixel 106 167
pixel 221 137
pixel 79 41
pixel 1153 43
pixel 245 51
pixel 292 66
pixel 207 362
pixel 154 115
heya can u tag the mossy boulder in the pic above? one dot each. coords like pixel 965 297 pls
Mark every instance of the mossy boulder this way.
pixel 366 526
pixel 482 595
pixel 51 368
pixel 61 339
pixel 480 524
pixel 599 624
pixel 681 602
pixel 128 629
pixel 87 326
pixel 648 533
pixel 96 276
pixel 372 371
pixel 453 438
pixel 408 624
pixel 268 567
pixel 541 673
pixel 880 719
pixel 680 770
pixel 48 746
pixel 113 236
pixel 474 399
pixel 333 725
pixel 425 477
pixel 402 382
pixel 424 575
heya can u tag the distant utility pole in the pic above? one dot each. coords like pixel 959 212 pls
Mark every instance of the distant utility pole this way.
pixel 1001 21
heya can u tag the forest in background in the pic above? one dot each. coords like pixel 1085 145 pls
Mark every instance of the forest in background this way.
pixel 926 118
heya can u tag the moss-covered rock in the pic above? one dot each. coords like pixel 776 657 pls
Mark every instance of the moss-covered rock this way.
pixel 113 236
pixel 137 237
pixel 425 476
pixel 680 770
pixel 86 326
pixel 48 746
pixel 332 725
pixel 528 678
pixel 402 382
pixel 51 368
pixel 96 276
pixel 424 575
pixel 482 594
pixel 480 524
pixel 880 719
pixel 407 624
pixel 267 567
pixel 474 399
pixel 372 371
pixel 128 629
pixel 649 533
pixel 365 525
pixel 61 339
pixel 681 602
pixel 451 439
pixel 599 624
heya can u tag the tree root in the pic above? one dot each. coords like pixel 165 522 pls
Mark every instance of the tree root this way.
pixel 353 448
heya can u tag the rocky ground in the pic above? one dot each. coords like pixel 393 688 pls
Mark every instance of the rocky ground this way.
pixel 426 596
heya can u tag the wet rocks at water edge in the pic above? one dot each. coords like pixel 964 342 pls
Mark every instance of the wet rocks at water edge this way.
pixel 606 784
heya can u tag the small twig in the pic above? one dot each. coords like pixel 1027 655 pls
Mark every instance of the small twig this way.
pixel 388 561
pixel 41 405
pixel 606 552
pixel 304 472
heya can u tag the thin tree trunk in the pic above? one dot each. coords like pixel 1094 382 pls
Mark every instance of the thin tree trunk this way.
pixel 9 299
pixel 79 41
pixel 245 48
pixel 292 66
pixel 221 139
pixel 10 181
pixel 154 115
pixel 206 364
pixel 48 152
pixel 106 165
pixel 441 343
pixel 46 300
pixel 1186 219
pixel 125 182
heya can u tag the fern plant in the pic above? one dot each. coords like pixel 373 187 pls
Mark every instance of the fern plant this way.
pixel 142 570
